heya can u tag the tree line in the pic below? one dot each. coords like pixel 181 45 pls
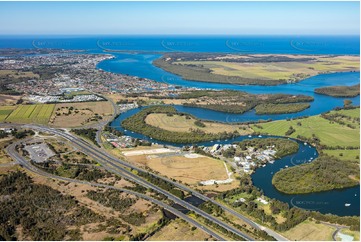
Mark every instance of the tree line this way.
pixel 137 123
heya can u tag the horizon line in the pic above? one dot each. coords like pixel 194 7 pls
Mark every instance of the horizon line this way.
pixel 139 34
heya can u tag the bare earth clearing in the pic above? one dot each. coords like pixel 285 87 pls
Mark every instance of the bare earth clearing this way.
pixel 82 113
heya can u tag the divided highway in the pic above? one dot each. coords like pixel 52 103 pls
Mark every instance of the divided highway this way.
pixel 121 167
pixel 112 164
pixel 16 157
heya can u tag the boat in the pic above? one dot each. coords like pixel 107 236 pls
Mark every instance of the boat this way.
pixel 305 143
pixel 347 204
pixel 286 166
pixel 260 136
pixel 249 136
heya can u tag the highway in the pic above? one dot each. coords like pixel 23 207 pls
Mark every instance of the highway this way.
pixel 17 157
pixel 108 164
pixel 254 225
pixel 112 164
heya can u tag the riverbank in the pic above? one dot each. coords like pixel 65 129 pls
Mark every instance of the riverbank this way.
pixel 262 178
pixel 324 174
pixel 255 69
pixel 138 123
pixel 339 91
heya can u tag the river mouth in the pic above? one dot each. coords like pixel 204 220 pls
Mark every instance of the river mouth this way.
pixel 141 65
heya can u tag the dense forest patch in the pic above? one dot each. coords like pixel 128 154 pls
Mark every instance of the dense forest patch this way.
pixel 40 211
pixel 325 173
pixel 339 91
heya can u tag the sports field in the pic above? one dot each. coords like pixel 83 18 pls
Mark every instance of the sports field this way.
pixel 329 133
pixel 37 113
pixel 178 123
pixel 5 111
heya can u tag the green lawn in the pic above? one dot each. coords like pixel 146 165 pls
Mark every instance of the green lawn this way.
pixel 330 134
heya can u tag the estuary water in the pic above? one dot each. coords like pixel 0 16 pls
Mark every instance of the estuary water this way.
pixel 324 202
pixel 140 52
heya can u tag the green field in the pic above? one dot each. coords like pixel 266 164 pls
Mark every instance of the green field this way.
pixel 5 111
pixel 254 69
pixel 329 133
pixel 278 70
pixel 347 155
pixel 353 113
pixel 37 113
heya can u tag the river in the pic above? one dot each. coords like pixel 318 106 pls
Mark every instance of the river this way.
pixel 139 63
pixel 325 202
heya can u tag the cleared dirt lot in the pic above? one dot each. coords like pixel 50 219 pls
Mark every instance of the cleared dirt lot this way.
pixel 188 170
pixel 79 114
pixel 147 152
pixel 8 99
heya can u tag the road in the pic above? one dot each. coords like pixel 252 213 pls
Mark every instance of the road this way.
pixel 101 125
pixel 108 163
pixel 17 157
pixel 337 227
pixel 254 225
pixel 113 165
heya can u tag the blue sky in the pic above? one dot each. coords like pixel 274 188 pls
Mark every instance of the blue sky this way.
pixel 236 18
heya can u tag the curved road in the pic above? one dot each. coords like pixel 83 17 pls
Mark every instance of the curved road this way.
pixel 108 163
pixel 16 156
pixel 112 164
